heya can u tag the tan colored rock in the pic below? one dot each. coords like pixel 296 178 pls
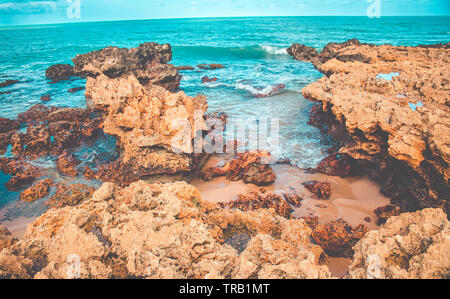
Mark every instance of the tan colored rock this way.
pixel 6 238
pixel 376 113
pixel 154 128
pixel 412 245
pixel 160 231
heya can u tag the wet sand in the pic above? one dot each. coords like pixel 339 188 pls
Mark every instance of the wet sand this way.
pixel 352 199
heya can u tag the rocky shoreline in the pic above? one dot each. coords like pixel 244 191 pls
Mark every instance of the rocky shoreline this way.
pixel 131 227
pixel 387 109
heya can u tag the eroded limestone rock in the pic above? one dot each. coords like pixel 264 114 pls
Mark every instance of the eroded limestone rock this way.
pixel 160 231
pixel 412 245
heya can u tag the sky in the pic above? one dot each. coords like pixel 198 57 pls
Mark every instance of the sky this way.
pixel 24 12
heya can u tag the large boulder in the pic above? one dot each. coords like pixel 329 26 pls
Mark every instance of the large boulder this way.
pixel 160 231
pixel 409 246
pixel 154 128
pixel 59 72
pixel 148 63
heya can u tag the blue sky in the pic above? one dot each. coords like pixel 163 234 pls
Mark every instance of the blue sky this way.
pixel 55 11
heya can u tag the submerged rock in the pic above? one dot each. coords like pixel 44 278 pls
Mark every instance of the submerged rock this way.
pixel 409 246
pixel 60 72
pixel 51 130
pixel 160 231
pixel 185 68
pixel 8 83
pixel 213 66
pixel 45 98
pixel 70 195
pixel 75 89
pixel 405 149
pixel 154 127
pixel 67 164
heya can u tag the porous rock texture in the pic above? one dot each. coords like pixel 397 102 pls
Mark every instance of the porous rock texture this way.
pixel 148 63
pixel 392 105
pixel 409 246
pixel 160 231
pixel 251 167
pixel 154 127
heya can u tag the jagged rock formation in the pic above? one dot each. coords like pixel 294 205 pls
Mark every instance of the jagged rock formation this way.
pixel 409 246
pixel 391 105
pixel 262 199
pixel 6 238
pixel 37 191
pixel 160 231
pixel 338 237
pixel 251 167
pixel 148 63
pixel 154 127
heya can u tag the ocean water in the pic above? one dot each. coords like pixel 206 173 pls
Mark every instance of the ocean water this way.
pixel 253 50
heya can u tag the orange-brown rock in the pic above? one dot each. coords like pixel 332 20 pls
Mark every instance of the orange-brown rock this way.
pixel 312 221
pixel 7 125
pixel 6 238
pixel 337 238
pixel 23 174
pixel 67 164
pixel 335 165
pixel 249 167
pixel 37 191
pixel 154 127
pixel 75 89
pixel 161 231
pixel 185 68
pixel 51 130
pixel 70 195
pixel 7 129
pixel 386 212
pixel 293 199
pixel 393 104
pixel 213 66
pixel 147 63
pixel 260 200
pixel 408 246
pixel 321 190
pixel 45 98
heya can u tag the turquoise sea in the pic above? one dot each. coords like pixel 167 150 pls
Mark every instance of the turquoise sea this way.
pixel 252 49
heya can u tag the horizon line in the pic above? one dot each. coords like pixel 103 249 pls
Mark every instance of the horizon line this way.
pixel 223 17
